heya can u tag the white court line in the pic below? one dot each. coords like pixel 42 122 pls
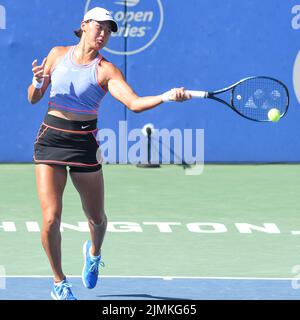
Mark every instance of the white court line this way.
pixel 156 277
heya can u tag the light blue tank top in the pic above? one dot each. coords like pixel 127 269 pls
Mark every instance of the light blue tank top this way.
pixel 74 87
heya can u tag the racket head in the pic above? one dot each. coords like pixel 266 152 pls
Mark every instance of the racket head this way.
pixel 253 97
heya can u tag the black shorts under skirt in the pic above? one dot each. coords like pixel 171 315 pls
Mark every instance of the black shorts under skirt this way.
pixel 68 143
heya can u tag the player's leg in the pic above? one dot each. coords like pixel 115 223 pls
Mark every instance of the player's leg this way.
pixel 51 181
pixel 90 186
pixel 91 190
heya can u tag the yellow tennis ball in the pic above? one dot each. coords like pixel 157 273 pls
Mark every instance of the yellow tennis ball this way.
pixel 274 115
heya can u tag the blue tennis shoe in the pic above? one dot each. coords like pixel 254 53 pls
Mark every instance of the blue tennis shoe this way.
pixel 62 291
pixel 91 265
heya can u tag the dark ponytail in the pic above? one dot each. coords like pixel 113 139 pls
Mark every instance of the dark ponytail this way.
pixel 78 33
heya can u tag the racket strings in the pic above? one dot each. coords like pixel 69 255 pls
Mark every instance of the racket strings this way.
pixel 254 98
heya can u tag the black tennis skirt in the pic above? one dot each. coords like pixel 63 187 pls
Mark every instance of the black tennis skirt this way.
pixel 68 143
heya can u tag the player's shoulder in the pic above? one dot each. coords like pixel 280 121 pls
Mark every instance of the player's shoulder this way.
pixel 108 67
pixel 58 50
pixel 104 63
pixel 55 55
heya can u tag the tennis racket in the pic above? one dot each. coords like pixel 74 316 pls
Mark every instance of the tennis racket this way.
pixel 252 97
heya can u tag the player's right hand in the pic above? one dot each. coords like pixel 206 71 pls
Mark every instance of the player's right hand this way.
pixel 38 71
pixel 179 95
pixel 176 94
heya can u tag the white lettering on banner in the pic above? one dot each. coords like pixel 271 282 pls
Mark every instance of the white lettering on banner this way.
pixel 295 22
pixel 2 17
pixel 296 19
pixel 162 227
pixel 124 17
pixel 128 3
pixel 139 20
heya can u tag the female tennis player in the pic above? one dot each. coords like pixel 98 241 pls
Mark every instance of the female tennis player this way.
pixel 80 77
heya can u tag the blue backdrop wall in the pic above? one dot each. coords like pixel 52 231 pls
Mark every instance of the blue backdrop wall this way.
pixel 198 44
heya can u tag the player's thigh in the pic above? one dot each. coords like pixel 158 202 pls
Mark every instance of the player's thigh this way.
pixel 90 186
pixel 51 181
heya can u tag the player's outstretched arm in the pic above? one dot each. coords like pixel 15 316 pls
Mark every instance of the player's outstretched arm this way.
pixel 121 90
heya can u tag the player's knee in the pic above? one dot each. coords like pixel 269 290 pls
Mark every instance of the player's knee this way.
pixel 99 220
pixel 51 223
pixel 95 215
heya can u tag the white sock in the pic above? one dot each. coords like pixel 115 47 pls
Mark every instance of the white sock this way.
pixel 58 283
pixel 94 257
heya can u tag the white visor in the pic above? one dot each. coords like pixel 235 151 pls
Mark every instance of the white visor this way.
pixel 101 14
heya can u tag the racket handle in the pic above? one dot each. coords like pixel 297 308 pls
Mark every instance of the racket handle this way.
pixel 197 94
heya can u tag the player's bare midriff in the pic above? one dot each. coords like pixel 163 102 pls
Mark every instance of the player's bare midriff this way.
pixel 70 115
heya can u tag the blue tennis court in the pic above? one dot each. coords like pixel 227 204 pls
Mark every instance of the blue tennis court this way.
pixel 154 288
